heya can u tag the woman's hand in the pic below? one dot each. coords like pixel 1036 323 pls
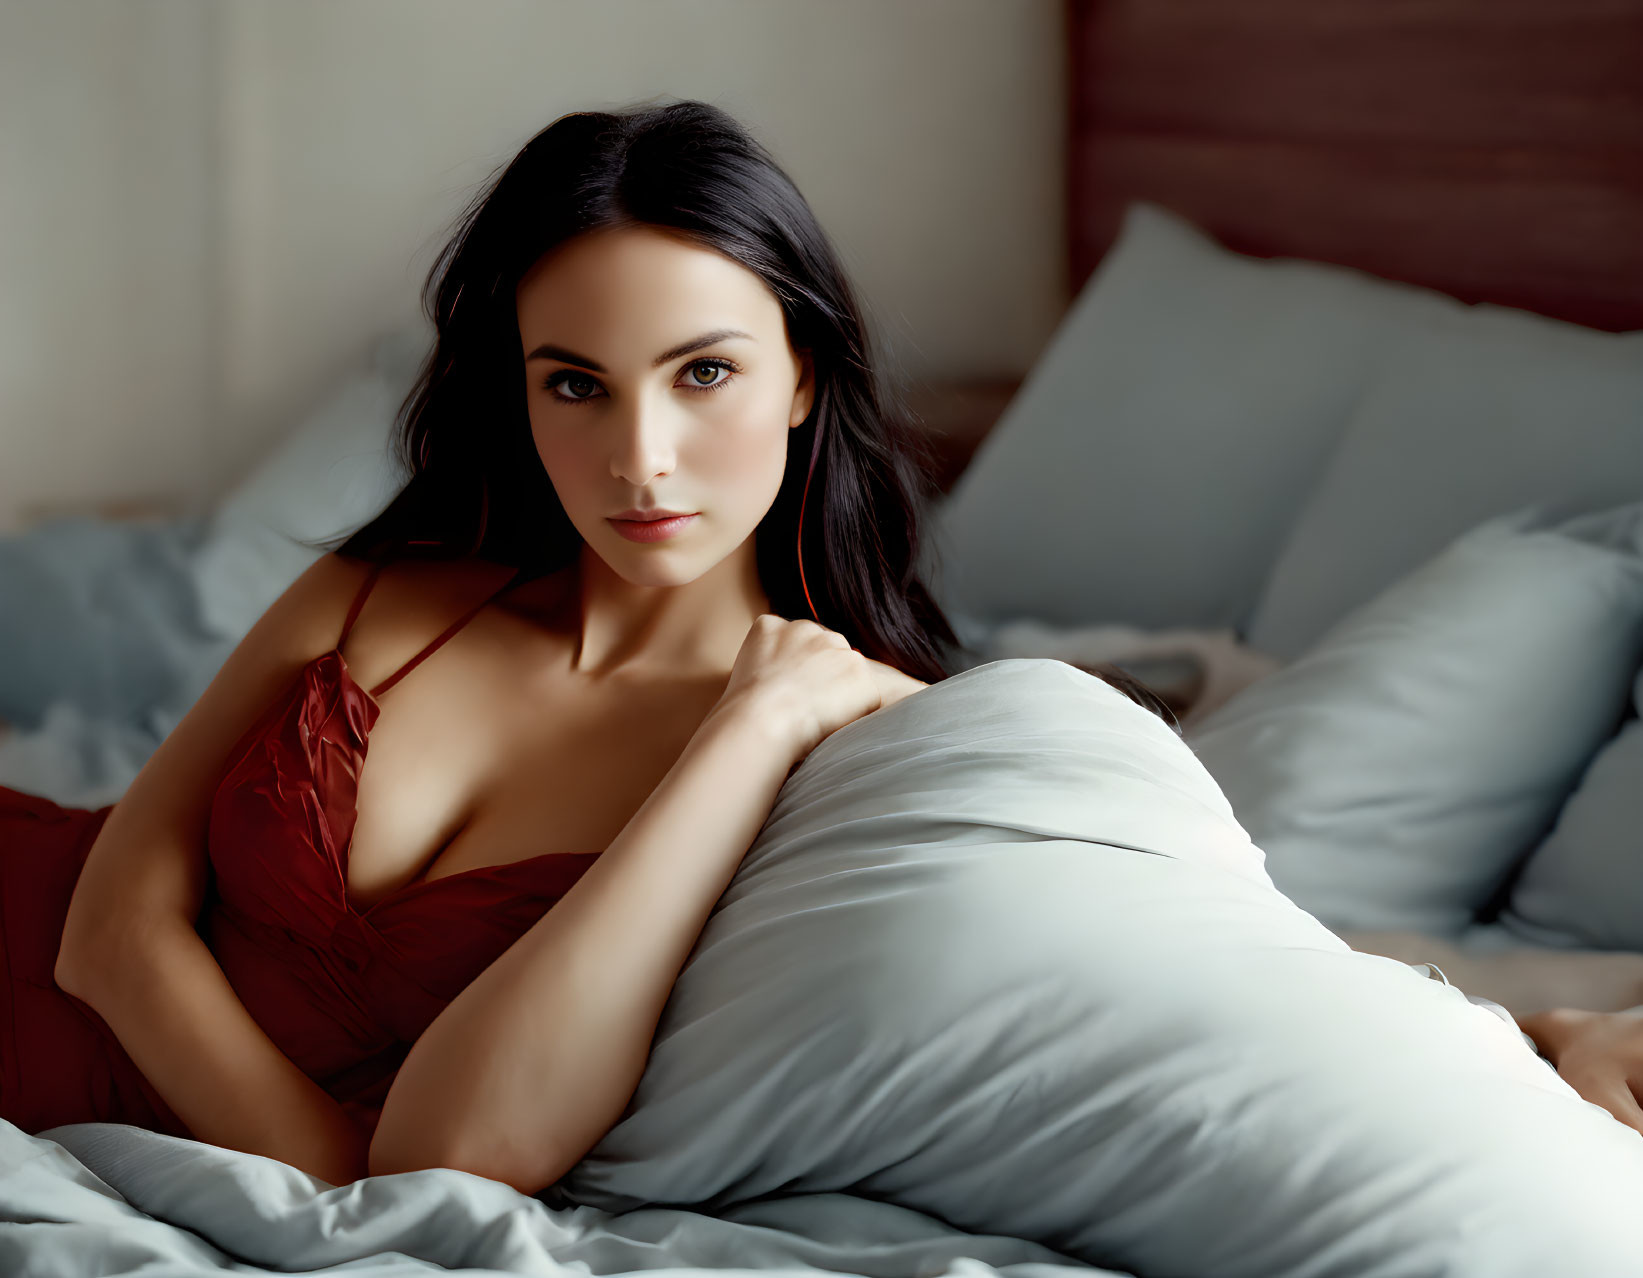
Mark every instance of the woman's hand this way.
pixel 893 683
pixel 1599 1054
pixel 800 681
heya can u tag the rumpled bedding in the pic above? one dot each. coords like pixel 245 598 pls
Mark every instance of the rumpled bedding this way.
pixel 1000 962
pixel 106 1199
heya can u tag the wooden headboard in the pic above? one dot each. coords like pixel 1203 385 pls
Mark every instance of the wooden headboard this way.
pixel 1491 149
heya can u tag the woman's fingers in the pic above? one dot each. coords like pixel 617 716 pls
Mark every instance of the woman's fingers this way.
pixel 1607 1089
pixel 1600 1055
pixel 1623 1105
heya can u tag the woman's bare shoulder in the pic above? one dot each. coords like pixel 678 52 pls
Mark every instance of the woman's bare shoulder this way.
pixel 411 600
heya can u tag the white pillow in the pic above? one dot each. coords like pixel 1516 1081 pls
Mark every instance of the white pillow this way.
pixel 331 476
pixel 1000 954
pixel 1397 772
pixel 1477 411
pixel 1583 887
pixel 1151 463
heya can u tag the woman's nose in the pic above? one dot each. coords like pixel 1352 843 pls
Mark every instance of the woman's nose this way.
pixel 644 442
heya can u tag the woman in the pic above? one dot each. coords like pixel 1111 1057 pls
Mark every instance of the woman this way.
pixel 641 315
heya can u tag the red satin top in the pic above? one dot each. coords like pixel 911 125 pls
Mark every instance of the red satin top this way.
pixel 342 991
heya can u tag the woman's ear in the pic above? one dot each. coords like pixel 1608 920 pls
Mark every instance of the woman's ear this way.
pixel 804 394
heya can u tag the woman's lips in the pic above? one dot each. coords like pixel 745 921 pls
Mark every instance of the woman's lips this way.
pixel 652 530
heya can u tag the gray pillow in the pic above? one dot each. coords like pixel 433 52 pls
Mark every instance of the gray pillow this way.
pixel 1150 466
pixel 1477 411
pixel 1397 772
pixel 1583 887
pixel 1001 955
pixel 98 615
pixel 331 475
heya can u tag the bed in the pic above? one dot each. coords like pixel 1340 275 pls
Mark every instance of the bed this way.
pixel 1346 418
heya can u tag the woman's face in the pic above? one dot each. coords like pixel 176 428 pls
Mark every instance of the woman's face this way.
pixel 627 410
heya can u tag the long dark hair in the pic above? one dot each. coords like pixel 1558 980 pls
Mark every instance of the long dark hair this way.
pixel 477 486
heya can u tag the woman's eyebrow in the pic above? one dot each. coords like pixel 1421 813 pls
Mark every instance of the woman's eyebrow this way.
pixel 549 351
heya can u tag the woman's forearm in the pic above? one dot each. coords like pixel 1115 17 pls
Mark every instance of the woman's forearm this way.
pixel 184 1027
pixel 534 1061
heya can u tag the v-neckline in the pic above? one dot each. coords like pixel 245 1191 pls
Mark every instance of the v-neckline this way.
pixel 345 852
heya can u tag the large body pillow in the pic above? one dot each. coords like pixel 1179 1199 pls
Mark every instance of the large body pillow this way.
pixel 1397 773
pixel 1001 954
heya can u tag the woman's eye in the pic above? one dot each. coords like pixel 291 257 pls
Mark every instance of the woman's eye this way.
pixel 566 377
pixel 710 366
pixel 583 382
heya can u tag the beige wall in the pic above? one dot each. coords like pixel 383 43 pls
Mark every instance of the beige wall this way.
pixel 109 273
pixel 207 211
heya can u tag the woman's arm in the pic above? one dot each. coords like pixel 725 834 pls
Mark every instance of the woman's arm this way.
pixel 130 950
pixel 183 1026
pixel 534 1061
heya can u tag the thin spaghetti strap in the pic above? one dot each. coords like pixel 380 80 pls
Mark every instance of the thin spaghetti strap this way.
pixel 359 600
pixel 445 634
